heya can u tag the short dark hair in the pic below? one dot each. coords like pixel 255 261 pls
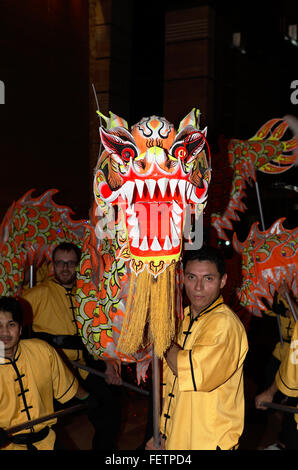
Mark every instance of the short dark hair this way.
pixel 67 246
pixel 206 253
pixel 13 306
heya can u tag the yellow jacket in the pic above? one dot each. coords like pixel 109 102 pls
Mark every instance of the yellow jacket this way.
pixel 204 406
pixel 28 385
pixel 287 375
pixel 54 312
pixel 286 327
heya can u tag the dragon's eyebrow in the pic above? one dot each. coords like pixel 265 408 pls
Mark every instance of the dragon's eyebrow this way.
pixel 123 134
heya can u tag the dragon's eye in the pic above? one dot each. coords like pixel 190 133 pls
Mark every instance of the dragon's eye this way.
pixel 180 152
pixel 127 153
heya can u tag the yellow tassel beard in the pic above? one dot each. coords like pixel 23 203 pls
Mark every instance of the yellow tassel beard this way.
pixel 150 312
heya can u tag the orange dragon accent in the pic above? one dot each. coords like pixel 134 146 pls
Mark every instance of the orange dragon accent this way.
pixel 29 232
pixel 268 258
pixel 266 152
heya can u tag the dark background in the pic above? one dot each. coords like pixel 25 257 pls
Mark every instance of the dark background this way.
pixel 45 123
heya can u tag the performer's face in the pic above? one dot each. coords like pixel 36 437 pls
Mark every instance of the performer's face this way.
pixel 202 283
pixel 65 263
pixel 10 332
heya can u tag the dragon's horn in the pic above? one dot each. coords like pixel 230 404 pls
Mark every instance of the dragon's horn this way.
pixel 192 119
pixel 113 120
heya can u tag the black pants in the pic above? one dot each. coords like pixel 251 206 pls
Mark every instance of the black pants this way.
pixel 288 434
pixel 106 419
pixel 289 431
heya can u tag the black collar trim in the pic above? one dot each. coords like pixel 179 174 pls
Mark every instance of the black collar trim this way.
pixel 207 309
pixel 7 360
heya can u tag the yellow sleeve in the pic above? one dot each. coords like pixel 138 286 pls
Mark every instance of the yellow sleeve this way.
pixel 270 313
pixel 213 359
pixel 31 299
pixel 30 294
pixel 65 385
pixel 287 375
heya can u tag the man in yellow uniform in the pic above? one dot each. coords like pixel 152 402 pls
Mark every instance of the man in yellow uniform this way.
pixel 282 311
pixel 52 303
pixel 54 319
pixel 32 374
pixel 286 381
pixel 203 405
pixel 287 375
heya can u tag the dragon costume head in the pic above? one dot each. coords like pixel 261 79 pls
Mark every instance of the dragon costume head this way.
pixel 145 180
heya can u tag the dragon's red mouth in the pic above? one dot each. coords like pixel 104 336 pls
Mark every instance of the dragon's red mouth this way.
pixel 154 213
